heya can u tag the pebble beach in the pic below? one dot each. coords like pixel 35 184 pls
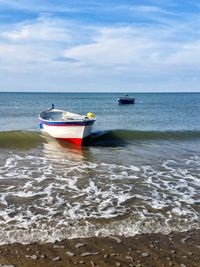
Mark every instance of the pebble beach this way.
pixel 145 250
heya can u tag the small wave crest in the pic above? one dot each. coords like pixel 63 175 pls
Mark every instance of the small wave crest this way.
pixel 20 139
pixel 28 139
pixel 121 137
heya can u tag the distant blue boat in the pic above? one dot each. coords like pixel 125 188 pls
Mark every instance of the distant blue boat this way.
pixel 126 100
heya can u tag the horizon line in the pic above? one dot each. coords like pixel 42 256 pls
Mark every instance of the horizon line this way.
pixel 116 92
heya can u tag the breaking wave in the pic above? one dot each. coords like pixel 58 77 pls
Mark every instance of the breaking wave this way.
pixel 120 137
pixel 28 139
pixel 46 197
pixel 20 139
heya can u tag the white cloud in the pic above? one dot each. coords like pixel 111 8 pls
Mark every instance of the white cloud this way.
pixel 41 29
pixel 59 51
pixel 114 46
pixel 187 55
pixel 150 9
pixel 36 6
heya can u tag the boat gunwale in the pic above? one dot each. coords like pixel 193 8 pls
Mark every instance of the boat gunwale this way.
pixel 64 120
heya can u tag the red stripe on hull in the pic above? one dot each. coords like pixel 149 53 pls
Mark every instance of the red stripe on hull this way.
pixel 76 141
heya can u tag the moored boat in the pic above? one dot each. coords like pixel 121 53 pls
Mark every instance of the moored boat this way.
pixel 66 126
pixel 126 100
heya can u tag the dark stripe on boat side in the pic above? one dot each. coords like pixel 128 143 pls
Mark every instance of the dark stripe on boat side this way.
pixel 53 123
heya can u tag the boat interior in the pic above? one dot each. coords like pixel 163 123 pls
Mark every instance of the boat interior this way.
pixel 60 115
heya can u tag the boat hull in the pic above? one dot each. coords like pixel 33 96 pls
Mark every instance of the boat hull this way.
pixel 74 132
pixel 123 101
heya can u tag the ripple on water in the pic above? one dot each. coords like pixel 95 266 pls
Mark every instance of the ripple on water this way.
pixel 44 198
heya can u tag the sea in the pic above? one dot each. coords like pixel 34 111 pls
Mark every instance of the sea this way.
pixel 138 173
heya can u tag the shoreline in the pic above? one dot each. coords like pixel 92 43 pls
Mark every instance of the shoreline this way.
pixel 181 249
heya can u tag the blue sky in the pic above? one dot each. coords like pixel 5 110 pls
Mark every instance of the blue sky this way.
pixel 100 46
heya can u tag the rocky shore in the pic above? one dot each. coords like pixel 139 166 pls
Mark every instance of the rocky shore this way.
pixel 147 250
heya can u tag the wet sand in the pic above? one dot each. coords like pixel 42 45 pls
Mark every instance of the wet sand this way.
pixel 175 249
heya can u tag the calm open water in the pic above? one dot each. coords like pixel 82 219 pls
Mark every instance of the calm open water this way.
pixel 139 173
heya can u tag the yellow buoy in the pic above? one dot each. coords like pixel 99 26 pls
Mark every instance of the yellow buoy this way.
pixel 90 115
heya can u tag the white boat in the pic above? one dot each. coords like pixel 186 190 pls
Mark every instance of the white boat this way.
pixel 66 126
